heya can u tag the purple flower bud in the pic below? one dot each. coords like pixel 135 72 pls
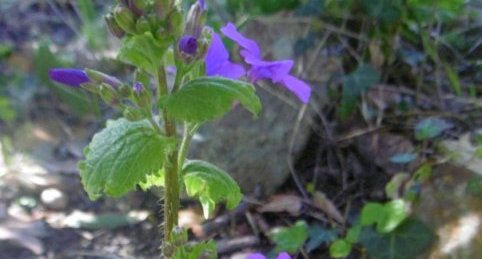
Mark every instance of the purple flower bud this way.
pixel 138 87
pixel 202 3
pixel 188 45
pixel 195 19
pixel 69 76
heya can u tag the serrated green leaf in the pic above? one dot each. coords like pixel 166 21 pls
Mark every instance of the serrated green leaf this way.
pixel 394 213
pixel 371 213
pixel 121 156
pixel 142 51
pixel 211 185
pixel 340 248
pixel 407 241
pixel 319 235
pixel 356 83
pixel 290 239
pixel 209 98
pixel 200 250
pixel 153 180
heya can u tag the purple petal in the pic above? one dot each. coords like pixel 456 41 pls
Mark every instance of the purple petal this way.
pixel 298 87
pixel 250 46
pixel 138 87
pixel 217 61
pixel 202 3
pixel 69 76
pixel 283 255
pixel 256 256
pixel 274 70
pixel 188 44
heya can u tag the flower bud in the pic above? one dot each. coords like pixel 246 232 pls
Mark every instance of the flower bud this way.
pixel 108 94
pixel 69 76
pixel 114 28
pixel 138 87
pixel 188 45
pixel 142 25
pixel 137 7
pixel 132 114
pixel 125 19
pixel 175 23
pixel 195 19
pixel 100 77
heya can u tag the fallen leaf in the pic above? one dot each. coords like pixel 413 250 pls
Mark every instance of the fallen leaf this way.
pixel 283 203
pixel 322 202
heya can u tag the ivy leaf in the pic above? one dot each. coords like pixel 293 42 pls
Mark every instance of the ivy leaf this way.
pixel 370 213
pixel 394 213
pixel 354 85
pixel 211 185
pixel 121 156
pixel 209 98
pixel 340 248
pixel 142 51
pixel 431 128
pixel 407 241
pixel 290 239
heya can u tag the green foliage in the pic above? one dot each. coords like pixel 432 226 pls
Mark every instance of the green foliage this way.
pixel 121 156
pixel 340 248
pixel 431 128
pixel 290 239
pixel 387 11
pixel 143 51
pixel 406 241
pixel 200 250
pixel 209 98
pixel 7 113
pixel 153 180
pixel 319 235
pixel 386 216
pixel 354 85
pixel 261 7
pixel 90 28
pixel 210 185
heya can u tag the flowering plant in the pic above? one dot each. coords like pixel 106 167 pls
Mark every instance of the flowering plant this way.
pixel 145 148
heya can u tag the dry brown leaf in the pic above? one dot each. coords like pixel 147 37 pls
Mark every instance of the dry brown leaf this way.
pixel 322 202
pixel 283 203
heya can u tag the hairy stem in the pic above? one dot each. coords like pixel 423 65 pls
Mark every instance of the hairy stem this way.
pixel 171 195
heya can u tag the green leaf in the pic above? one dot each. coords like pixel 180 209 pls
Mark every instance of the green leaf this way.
pixel 353 233
pixel 319 235
pixel 453 79
pixel 200 250
pixel 340 248
pixel 423 173
pixel 354 85
pixel 153 180
pixel 384 10
pixel 211 185
pixel 431 128
pixel 371 213
pixel 121 156
pixel 394 213
pixel 209 98
pixel 406 242
pixel 142 51
pixel 290 239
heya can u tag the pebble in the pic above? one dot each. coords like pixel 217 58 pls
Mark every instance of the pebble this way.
pixel 54 199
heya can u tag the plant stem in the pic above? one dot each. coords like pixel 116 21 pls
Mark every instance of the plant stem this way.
pixel 171 196
pixel 186 141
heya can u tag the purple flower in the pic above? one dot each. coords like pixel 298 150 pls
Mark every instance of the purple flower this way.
pixel 69 76
pixel 188 45
pixel 138 87
pixel 282 255
pixel 276 71
pixel 218 63
pixel 202 3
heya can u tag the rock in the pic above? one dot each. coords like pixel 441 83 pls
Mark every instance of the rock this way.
pixel 449 208
pixel 54 199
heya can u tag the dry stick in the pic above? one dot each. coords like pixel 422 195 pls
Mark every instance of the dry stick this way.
pixel 295 177
pixel 231 245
